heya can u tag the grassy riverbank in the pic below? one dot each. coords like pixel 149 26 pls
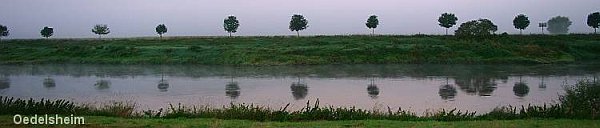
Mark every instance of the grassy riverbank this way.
pixel 305 50
pixel 99 121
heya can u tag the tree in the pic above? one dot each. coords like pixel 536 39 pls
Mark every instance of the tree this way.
pixel 372 23
pixel 593 20
pixel 161 29
pixel 3 31
pixel 521 22
pixel 101 29
pixel 481 27
pixel 298 23
pixel 559 25
pixel 447 20
pixel 47 32
pixel 231 24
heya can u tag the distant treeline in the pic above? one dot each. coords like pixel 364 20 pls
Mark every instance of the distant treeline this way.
pixel 478 27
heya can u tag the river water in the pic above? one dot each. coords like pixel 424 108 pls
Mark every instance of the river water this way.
pixel 418 88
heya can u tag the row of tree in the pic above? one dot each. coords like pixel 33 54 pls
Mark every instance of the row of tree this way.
pixel 483 27
pixel 480 27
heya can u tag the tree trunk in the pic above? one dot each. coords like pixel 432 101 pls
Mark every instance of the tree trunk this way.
pixel 373 33
pixel 446 31
pixel 298 33
pixel 520 31
pixel 595 30
pixel 160 35
pixel 230 34
pixel 99 36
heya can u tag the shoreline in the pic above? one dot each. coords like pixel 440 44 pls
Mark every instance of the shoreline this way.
pixel 101 121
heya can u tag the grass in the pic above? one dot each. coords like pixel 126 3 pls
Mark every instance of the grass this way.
pixel 281 50
pixel 10 106
pixel 311 112
pixel 99 121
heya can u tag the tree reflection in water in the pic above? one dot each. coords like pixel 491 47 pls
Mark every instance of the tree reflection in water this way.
pixel 477 85
pixel 49 83
pixel 542 85
pixel 102 84
pixel 447 91
pixel 372 89
pixel 299 89
pixel 521 89
pixel 4 83
pixel 232 89
pixel 163 85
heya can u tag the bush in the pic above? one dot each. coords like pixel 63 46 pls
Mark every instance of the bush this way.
pixel 476 28
pixel 582 100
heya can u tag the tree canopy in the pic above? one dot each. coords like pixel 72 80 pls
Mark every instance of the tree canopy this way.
pixel 298 23
pixel 559 25
pixel 161 29
pixel 447 20
pixel 3 31
pixel 231 24
pixel 101 29
pixel 481 27
pixel 593 20
pixel 372 23
pixel 521 22
pixel 47 32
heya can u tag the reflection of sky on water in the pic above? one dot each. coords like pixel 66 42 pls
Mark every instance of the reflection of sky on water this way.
pixel 151 90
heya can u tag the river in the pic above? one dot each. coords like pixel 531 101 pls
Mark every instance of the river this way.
pixel 418 88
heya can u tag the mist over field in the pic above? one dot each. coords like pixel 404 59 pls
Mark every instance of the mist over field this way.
pixel 137 18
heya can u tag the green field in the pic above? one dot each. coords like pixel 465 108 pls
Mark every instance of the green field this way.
pixel 306 50
pixel 99 121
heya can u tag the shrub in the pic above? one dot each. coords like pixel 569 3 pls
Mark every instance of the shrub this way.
pixel 582 100
pixel 477 28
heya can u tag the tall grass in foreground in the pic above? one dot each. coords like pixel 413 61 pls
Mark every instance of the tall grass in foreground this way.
pixel 10 105
pixel 309 112
pixel 580 101
pixel 19 106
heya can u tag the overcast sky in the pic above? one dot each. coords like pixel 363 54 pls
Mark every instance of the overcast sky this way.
pixel 137 18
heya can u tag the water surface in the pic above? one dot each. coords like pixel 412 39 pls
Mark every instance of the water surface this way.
pixel 418 88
